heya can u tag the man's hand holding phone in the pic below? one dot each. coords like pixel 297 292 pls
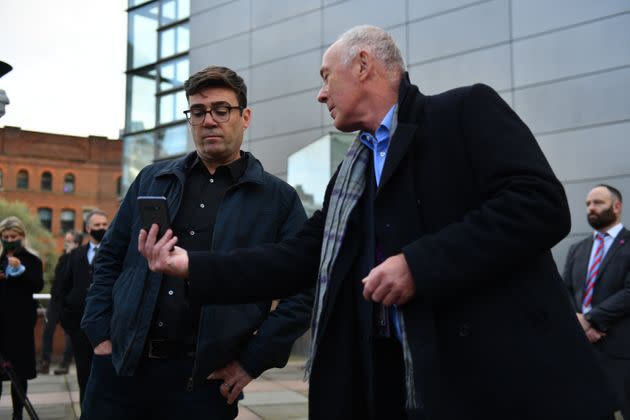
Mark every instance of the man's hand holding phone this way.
pixel 162 255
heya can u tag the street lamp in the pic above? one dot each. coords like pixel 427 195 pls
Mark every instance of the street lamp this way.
pixel 4 99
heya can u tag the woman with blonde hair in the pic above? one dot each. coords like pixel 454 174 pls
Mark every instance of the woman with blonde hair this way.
pixel 20 277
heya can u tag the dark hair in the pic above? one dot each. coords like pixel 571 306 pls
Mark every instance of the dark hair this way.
pixel 215 76
pixel 77 237
pixel 614 191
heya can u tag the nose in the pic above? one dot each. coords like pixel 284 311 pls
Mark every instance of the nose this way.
pixel 208 121
pixel 322 95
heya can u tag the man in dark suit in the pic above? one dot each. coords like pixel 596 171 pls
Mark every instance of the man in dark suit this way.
pixel 73 287
pixel 437 296
pixel 597 276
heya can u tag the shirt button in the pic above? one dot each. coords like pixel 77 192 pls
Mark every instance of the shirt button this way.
pixel 170 293
pixel 192 233
pixel 382 154
pixel 211 180
pixel 160 324
pixel 202 205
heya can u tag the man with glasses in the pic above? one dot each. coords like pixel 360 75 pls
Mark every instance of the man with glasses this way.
pixel 158 352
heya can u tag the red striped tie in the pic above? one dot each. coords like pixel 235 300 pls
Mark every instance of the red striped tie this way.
pixel 593 271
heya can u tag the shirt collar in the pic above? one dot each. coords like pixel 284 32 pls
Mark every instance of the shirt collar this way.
pixel 613 231
pixel 236 168
pixel 93 245
pixel 382 132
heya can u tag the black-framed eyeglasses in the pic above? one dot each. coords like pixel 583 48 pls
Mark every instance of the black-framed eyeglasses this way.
pixel 220 114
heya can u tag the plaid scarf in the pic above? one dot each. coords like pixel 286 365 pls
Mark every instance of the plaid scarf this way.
pixel 349 186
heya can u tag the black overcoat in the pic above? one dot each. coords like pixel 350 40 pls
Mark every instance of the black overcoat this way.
pixel 467 195
pixel 18 313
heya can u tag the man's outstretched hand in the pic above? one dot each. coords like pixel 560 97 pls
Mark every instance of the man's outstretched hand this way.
pixel 163 256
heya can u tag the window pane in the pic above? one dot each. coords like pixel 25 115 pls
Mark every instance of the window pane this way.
pixel 45 217
pixel 141 101
pixel 68 183
pixel 67 220
pixel 174 40
pixel 173 74
pixel 174 10
pixel 172 141
pixel 1 180
pixel 22 180
pixel 138 152
pixel 172 107
pixel 142 36
pixel 46 181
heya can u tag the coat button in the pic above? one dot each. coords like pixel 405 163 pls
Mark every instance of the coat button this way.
pixel 464 330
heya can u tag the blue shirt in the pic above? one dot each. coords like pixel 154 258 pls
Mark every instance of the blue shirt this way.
pixel 379 144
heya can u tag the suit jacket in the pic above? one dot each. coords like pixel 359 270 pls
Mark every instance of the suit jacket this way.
pixel 75 280
pixel 468 197
pixel 611 294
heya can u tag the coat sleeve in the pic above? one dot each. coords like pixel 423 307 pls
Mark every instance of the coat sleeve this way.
pixel 107 268
pixel 32 280
pixel 523 210
pixel 289 266
pixel 272 344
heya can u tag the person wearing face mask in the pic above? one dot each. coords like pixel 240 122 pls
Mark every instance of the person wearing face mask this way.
pixel 72 239
pixel 20 277
pixel 73 286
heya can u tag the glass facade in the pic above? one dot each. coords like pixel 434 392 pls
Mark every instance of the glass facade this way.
pixel 157 66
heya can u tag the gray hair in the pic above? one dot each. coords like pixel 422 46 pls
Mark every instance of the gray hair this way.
pixel 93 212
pixel 375 40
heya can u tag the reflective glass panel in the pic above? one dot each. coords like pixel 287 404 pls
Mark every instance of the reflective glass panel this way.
pixel 141 101
pixel 174 10
pixel 142 36
pixel 22 180
pixel 173 74
pixel 68 183
pixel 46 183
pixel 138 152
pixel 172 107
pixel 45 217
pixel 174 40
pixel 173 141
pixel 67 220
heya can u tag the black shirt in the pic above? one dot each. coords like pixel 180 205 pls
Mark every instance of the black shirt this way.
pixel 175 316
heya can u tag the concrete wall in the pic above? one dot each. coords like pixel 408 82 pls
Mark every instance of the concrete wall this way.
pixel 563 65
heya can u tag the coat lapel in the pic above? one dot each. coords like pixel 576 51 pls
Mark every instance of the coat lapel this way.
pixel 398 146
pixel 617 244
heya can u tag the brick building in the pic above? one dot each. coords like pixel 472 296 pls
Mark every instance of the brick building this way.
pixel 60 177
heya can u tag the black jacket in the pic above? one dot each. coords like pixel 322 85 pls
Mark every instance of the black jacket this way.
pixel 468 197
pixel 75 280
pixel 18 313
pixel 260 208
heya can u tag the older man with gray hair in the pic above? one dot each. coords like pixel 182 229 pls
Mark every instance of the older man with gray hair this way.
pixel 437 295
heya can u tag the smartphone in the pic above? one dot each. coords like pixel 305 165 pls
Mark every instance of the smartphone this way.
pixel 154 210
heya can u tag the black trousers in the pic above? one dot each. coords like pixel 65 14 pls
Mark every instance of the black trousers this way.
pixel 158 390
pixel 83 353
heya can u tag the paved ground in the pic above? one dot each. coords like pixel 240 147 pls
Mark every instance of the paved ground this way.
pixel 277 394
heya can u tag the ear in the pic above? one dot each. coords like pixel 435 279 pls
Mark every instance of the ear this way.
pixel 247 116
pixel 364 61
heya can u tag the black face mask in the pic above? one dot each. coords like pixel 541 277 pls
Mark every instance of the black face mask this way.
pixel 11 245
pixel 98 234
